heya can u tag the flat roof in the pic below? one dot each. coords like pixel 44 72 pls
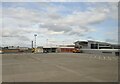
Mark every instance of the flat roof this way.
pixel 58 47
pixel 92 41
pixel 66 47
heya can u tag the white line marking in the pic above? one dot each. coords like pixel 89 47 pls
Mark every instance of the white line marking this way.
pixel 104 58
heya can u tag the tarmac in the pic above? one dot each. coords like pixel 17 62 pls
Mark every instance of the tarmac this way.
pixel 59 67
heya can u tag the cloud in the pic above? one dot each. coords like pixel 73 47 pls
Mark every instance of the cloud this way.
pixel 88 17
pixel 112 34
pixel 59 0
pixel 56 27
pixel 89 37
pixel 75 23
pixel 112 40
pixel 47 19
pixel 25 17
pixel 110 7
pixel 18 34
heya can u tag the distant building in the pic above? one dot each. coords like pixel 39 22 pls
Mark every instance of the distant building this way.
pixel 49 49
pixel 65 49
pixel 10 50
pixel 15 49
pixel 39 49
pixel 66 45
pixel 22 48
pixel 59 49
pixel 97 47
pixel 11 47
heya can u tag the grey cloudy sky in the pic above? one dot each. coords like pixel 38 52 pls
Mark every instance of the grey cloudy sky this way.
pixel 58 22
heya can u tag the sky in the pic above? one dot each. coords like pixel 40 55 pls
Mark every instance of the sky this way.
pixel 57 23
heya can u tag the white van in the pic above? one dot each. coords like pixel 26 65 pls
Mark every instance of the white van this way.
pixel 0 51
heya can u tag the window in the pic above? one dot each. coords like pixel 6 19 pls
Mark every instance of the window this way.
pixel 94 46
pixel 106 52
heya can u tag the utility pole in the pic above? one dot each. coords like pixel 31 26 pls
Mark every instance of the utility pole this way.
pixel 32 44
pixel 35 35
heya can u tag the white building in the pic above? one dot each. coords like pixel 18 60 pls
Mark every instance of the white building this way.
pixel 93 45
pixel 97 47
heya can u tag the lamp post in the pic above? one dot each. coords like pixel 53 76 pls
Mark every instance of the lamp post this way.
pixel 35 39
pixel 46 42
pixel 63 43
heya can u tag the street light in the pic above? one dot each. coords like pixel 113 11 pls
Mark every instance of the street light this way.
pixel 63 43
pixel 46 42
pixel 35 39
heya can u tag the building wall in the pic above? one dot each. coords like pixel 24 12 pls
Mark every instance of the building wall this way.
pixel 101 51
pixel 50 50
pixel 10 50
pixel 98 45
pixel 93 45
pixel 39 50
pixel 66 50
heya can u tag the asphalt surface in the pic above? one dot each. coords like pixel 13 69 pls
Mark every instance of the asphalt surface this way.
pixel 59 67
